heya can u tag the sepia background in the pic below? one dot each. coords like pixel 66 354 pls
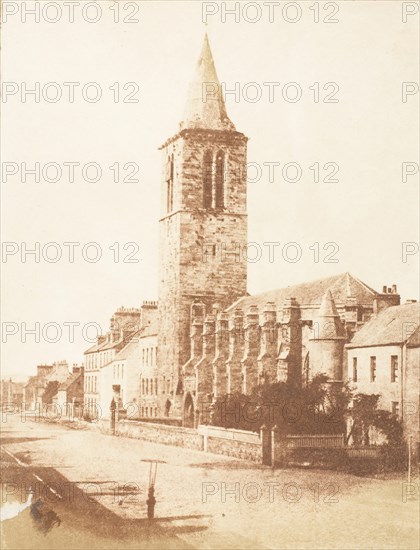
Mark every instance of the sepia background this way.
pixel 369 133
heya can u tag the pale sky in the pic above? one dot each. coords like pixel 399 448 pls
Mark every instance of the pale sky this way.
pixel 369 133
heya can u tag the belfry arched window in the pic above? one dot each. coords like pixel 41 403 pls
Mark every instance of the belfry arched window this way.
pixel 170 184
pixel 220 180
pixel 207 179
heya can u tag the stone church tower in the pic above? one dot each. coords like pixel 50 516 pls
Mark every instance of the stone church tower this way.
pixel 203 227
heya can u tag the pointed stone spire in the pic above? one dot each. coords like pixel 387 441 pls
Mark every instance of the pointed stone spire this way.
pixel 205 105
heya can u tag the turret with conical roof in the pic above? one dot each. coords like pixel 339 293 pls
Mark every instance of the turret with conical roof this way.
pixel 327 341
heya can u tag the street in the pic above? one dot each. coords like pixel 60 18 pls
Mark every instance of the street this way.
pixel 93 489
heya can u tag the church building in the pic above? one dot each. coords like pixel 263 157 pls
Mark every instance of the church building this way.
pixel 207 336
pixel 213 338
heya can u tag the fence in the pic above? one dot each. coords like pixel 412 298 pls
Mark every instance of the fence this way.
pixel 315 441
pixel 363 452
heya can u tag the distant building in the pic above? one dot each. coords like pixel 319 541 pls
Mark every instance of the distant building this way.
pixel 69 397
pixel 111 371
pixel 35 387
pixel 11 392
pixel 384 358
pixel 130 378
pixel 124 323
pixel 148 381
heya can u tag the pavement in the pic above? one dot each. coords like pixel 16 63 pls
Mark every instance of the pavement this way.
pixel 88 490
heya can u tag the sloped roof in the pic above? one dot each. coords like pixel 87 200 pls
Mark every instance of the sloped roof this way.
pixel 95 347
pixel 132 349
pixel 122 342
pixel 108 345
pixel 67 383
pixel 414 340
pixel 151 329
pixel 342 287
pixel 394 325
pixel 37 381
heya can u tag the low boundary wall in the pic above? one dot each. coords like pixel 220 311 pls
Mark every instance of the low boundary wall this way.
pixel 236 443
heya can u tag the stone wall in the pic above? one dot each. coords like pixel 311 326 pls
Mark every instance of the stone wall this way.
pixel 237 443
pixel 159 433
pixel 238 449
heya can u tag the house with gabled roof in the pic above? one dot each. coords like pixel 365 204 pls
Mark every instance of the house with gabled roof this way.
pixel 123 324
pixel 129 380
pixel 70 393
pixel 384 359
pixel 34 389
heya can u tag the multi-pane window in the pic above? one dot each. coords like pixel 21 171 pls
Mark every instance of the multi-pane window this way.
pixel 395 408
pixel 394 368
pixel 373 368
pixel 354 369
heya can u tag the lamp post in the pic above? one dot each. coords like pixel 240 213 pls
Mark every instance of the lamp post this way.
pixel 112 409
pixel 410 439
pixel 151 500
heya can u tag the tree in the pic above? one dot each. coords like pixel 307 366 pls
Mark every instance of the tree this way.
pixel 234 410
pixel 314 408
pixel 365 415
